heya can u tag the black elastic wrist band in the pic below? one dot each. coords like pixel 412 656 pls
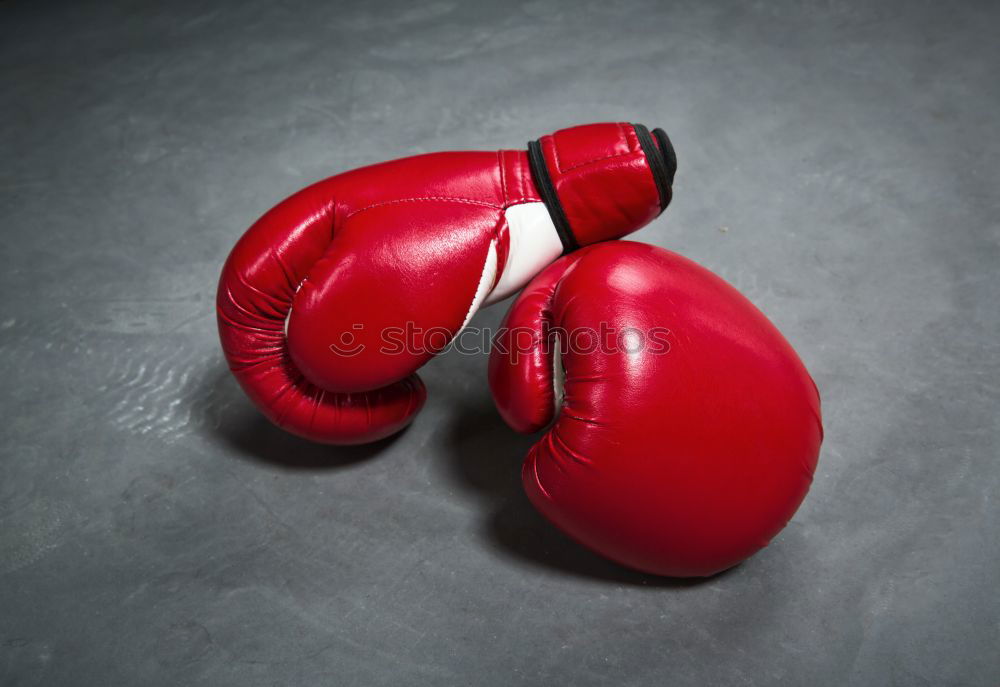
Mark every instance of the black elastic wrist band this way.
pixel 669 156
pixel 658 165
pixel 540 173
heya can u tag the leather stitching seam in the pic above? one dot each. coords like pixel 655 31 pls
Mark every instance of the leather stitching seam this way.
pixel 596 159
pixel 467 201
pixel 555 154
pixel 503 176
pixel 621 132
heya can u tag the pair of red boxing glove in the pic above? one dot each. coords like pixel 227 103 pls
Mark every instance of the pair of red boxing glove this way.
pixel 683 429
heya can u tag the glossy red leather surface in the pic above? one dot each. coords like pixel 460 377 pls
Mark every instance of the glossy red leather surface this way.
pixel 679 463
pixel 386 246
pixel 602 178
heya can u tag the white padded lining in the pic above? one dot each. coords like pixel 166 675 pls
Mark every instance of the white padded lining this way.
pixel 558 378
pixel 288 315
pixel 486 280
pixel 534 243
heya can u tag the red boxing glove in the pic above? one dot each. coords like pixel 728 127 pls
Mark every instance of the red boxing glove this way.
pixel 687 431
pixel 333 299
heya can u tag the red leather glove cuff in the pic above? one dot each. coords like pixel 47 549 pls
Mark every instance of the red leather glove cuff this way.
pixel 602 181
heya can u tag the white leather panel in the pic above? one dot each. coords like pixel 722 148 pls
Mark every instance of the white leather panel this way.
pixel 534 243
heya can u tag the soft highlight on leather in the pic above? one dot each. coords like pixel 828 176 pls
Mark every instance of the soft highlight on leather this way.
pixel 316 288
pixel 679 460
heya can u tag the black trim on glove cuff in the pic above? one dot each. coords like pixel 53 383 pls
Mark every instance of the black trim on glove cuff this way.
pixel 546 189
pixel 662 161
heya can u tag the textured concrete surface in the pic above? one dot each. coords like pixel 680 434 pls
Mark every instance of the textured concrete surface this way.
pixel 838 162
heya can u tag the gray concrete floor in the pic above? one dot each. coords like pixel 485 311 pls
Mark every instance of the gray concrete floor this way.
pixel 838 163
